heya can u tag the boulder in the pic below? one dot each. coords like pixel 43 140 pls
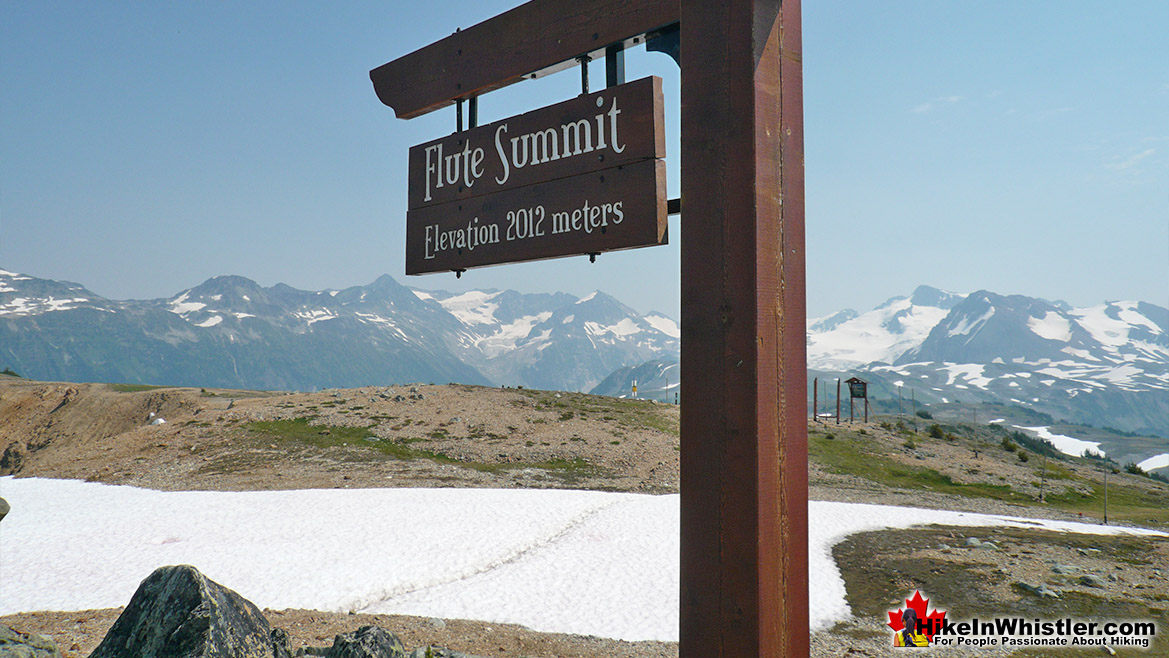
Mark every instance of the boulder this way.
pixel 1040 590
pixel 5 508
pixel 1092 580
pixel 178 612
pixel 14 644
pixel 367 642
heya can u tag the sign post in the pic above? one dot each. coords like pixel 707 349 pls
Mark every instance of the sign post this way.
pixel 744 562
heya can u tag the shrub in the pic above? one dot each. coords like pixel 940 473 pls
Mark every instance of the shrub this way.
pixel 1008 444
pixel 922 413
pixel 936 431
pixel 1134 469
pixel 1023 456
pixel 909 444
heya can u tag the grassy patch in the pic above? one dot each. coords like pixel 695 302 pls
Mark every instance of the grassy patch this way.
pixel 632 414
pixel 851 456
pixel 1140 506
pixel 299 431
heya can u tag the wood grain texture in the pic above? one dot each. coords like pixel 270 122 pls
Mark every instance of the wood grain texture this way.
pixel 502 50
pixel 743 471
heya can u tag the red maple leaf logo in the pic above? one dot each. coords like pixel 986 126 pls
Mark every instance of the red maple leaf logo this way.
pixel 930 622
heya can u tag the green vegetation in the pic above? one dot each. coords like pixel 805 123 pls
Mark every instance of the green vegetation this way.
pixel 10 372
pixel 633 414
pixel 845 451
pixel 300 431
pixel 851 456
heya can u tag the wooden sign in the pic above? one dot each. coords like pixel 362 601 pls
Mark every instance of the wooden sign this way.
pixel 580 177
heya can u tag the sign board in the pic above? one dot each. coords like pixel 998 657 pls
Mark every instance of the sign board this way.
pixel 858 388
pixel 580 177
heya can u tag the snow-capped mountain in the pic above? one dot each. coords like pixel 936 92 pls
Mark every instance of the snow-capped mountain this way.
pixel 846 340
pixel 554 341
pixel 1106 364
pixel 231 332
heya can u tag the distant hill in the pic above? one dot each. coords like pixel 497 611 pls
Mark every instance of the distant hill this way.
pixel 1105 365
pixel 231 332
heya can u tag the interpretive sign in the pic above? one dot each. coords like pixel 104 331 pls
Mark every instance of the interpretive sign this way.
pixel 580 177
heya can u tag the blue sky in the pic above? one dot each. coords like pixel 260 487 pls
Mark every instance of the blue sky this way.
pixel 1021 147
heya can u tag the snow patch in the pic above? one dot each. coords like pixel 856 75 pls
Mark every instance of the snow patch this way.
pixel 210 322
pixel 1068 445
pixel 967 326
pixel 472 307
pixel 180 305
pixel 1153 463
pixel 1051 326
pixel 664 325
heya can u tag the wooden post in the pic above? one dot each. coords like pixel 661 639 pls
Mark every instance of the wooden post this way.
pixel 744 561
pixel 837 400
pixel 744 438
pixel 816 399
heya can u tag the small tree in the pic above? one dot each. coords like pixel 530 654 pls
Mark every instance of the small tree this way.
pixel 936 431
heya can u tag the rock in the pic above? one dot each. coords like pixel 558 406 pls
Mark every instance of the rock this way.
pixel 281 643
pixel 14 644
pixel 1089 552
pixel 5 508
pixel 973 542
pixel 436 623
pixel 1092 580
pixel 1039 590
pixel 14 457
pixel 367 642
pixel 158 421
pixel 178 612
pixel 1064 569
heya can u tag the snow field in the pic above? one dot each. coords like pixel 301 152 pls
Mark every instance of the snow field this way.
pixel 581 562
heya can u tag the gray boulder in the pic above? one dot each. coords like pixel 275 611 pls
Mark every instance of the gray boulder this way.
pixel 178 612
pixel 14 644
pixel 5 508
pixel 1092 580
pixel 367 642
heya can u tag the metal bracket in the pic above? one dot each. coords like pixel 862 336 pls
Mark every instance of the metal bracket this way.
pixel 615 64
pixel 666 40
pixel 584 73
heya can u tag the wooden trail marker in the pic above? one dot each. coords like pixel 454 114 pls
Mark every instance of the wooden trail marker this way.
pixel 744 493
pixel 580 177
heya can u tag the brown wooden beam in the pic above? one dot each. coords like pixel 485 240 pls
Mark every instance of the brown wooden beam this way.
pixel 744 437
pixel 502 50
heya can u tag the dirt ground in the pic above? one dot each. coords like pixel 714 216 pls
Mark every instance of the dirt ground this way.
pixel 464 436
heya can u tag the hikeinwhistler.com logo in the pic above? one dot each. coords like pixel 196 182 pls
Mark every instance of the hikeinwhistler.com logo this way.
pixel 917 625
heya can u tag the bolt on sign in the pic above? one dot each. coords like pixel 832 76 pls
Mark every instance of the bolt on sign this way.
pixel 583 176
